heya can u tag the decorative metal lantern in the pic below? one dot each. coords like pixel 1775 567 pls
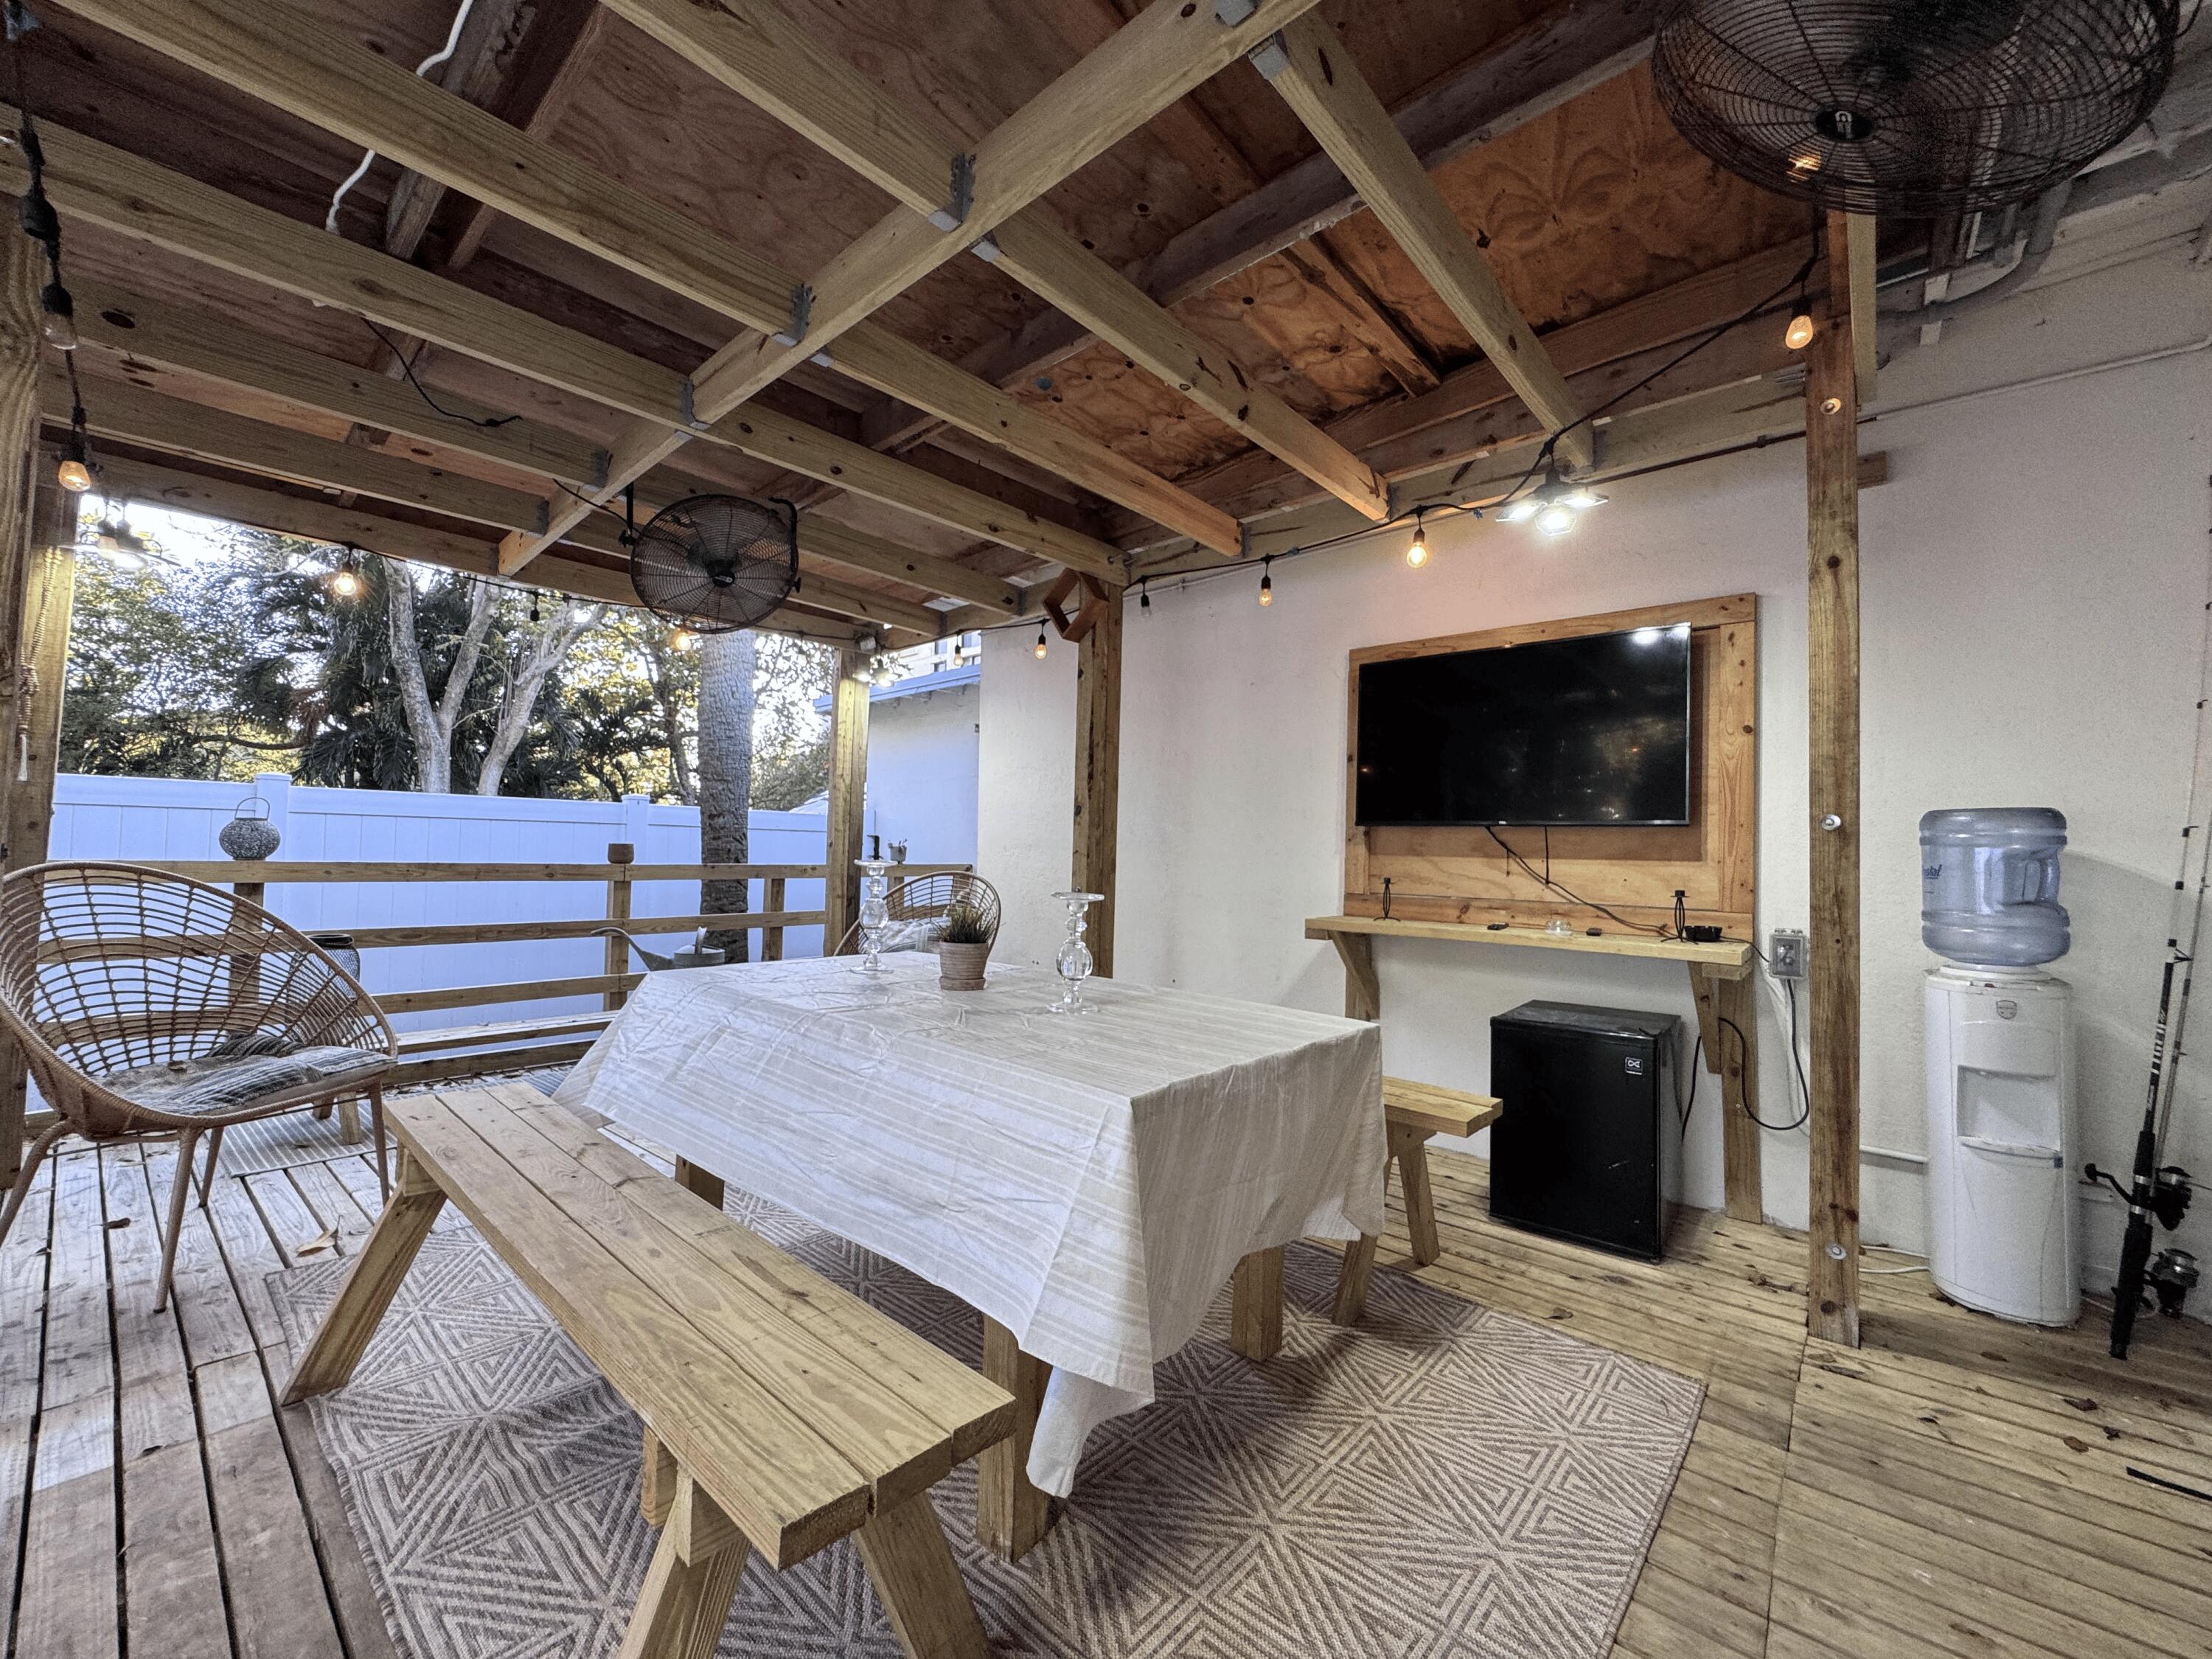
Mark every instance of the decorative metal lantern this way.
pixel 250 835
pixel 342 948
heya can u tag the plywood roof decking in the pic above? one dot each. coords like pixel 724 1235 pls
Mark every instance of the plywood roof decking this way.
pixel 1583 209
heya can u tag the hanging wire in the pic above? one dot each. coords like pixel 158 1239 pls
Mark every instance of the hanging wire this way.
pixel 43 225
pixel 423 392
pixel 368 157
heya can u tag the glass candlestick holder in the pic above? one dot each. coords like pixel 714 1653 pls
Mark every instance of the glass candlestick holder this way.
pixel 875 914
pixel 1073 959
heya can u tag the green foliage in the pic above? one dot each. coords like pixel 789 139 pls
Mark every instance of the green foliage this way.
pixel 965 924
pixel 243 660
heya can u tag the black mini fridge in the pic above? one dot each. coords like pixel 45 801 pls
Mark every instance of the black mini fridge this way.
pixel 1589 1146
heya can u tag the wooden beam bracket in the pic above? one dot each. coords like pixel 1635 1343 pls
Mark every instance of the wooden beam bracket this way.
pixel 1096 598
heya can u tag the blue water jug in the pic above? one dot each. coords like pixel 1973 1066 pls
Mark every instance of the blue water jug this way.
pixel 1989 885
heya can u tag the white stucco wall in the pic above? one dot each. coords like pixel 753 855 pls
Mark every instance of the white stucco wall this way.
pixel 2034 581
pixel 922 772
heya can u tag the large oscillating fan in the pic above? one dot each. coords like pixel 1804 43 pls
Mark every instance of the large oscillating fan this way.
pixel 716 563
pixel 1912 108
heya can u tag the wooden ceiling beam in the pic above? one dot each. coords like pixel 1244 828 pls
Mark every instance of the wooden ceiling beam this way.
pixel 751 48
pixel 200 342
pixel 1556 56
pixel 185 490
pixel 1601 354
pixel 473 73
pixel 152 331
pixel 140 199
pixel 309 69
pixel 1319 79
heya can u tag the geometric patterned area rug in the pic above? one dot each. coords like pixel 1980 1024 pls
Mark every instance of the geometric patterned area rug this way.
pixel 1441 1480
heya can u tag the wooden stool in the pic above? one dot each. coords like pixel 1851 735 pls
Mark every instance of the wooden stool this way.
pixel 1412 1112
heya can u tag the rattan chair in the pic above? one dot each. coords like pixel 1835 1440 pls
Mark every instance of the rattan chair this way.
pixel 918 907
pixel 150 1004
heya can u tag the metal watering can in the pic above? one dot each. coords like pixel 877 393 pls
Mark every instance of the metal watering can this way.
pixel 696 956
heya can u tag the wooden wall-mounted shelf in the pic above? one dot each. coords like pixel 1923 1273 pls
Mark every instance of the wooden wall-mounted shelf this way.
pixel 1728 959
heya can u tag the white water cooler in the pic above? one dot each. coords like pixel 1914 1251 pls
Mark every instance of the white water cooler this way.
pixel 2003 1215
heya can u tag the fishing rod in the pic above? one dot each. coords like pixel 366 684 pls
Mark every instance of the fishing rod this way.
pixel 2160 1193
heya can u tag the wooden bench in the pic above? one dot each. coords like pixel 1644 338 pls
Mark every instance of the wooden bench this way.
pixel 782 1412
pixel 1412 1113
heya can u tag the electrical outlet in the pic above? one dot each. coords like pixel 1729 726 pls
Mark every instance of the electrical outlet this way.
pixel 1785 954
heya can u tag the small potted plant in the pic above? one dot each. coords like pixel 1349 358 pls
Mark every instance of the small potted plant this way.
pixel 963 948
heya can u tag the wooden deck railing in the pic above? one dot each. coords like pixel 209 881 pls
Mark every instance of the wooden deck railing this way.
pixel 619 874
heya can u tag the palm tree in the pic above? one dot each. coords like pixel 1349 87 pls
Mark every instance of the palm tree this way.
pixel 727 703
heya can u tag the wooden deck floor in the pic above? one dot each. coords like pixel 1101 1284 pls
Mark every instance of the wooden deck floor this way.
pixel 1958 1487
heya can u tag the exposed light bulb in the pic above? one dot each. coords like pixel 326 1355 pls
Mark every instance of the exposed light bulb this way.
pixel 1799 334
pixel 1266 584
pixel 74 474
pixel 345 582
pixel 1417 552
pixel 1040 644
pixel 1144 596
pixel 1555 519
pixel 683 641
pixel 57 322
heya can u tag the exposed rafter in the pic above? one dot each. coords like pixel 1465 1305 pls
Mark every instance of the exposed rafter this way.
pixel 141 199
pixel 750 47
pixel 152 332
pixel 1557 56
pixel 1318 78
pixel 311 70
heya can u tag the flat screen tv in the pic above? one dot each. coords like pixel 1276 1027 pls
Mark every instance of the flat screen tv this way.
pixel 1593 730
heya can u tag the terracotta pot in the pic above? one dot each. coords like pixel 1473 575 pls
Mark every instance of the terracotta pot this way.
pixel 960 967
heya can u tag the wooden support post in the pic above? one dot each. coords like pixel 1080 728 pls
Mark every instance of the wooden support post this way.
pixel 19 465
pixel 1010 1514
pixel 1832 1286
pixel 620 854
pixel 1363 988
pixel 771 949
pixel 1098 772
pixel 848 800
pixel 39 665
pixel 1727 1023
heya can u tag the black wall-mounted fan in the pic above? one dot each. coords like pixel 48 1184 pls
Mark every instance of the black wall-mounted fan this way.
pixel 1912 108
pixel 716 563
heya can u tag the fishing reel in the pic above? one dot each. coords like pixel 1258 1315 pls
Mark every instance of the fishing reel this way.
pixel 2170 1190
pixel 2173 1276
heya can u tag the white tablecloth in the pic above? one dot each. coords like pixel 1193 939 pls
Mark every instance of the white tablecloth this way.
pixel 1088 1183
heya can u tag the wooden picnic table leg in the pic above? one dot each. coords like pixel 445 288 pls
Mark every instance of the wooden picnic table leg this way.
pixel 1410 1147
pixel 694 1179
pixel 1255 1318
pixel 1012 1514
pixel 656 1480
pixel 693 1578
pixel 906 1555
pixel 370 1283
pixel 1352 1280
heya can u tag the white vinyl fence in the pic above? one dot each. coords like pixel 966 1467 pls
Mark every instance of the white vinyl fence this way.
pixel 166 818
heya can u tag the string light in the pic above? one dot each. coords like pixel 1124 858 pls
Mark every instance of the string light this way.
pixel 1266 581
pixel 75 473
pixel 1040 644
pixel 533 605
pixel 57 320
pixel 683 641
pixel 345 582
pixel 1554 506
pixel 1143 593
pixel 1799 334
pixel 1417 552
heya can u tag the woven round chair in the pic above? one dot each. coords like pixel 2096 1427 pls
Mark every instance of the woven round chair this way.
pixel 918 908
pixel 150 1005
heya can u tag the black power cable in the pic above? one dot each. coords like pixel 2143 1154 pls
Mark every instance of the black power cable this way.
pixel 1543 878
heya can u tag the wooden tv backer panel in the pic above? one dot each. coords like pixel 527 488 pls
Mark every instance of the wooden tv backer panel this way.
pixel 1462 875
